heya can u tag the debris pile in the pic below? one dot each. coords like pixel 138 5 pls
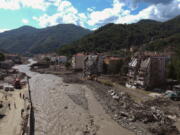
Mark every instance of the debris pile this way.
pixel 72 79
pixel 24 123
pixel 141 118
pixel 1 104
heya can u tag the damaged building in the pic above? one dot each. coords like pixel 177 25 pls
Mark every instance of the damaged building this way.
pixel 78 61
pixel 7 64
pixel 93 65
pixel 58 59
pixel 113 64
pixel 15 58
pixel 97 64
pixel 146 72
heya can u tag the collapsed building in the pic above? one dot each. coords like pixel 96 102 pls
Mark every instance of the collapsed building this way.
pixel 78 61
pixel 7 64
pixel 96 64
pixel 15 58
pixel 146 72
pixel 58 59
pixel 93 65
pixel 113 64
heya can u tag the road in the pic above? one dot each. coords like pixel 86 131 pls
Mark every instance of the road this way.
pixel 67 109
pixel 11 123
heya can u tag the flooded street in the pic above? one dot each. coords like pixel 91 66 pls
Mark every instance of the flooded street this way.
pixel 67 109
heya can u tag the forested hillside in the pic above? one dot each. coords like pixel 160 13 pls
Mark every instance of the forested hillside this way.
pixel 27 39
pixel 119 36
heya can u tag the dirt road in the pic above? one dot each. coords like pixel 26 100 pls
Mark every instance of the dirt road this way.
pixel 11 123
pixel 67 109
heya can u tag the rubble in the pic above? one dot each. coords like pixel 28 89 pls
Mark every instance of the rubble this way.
pixel 1 104
pixel 8 88
pixel 72 79
pixel 143 118
pixel 146 71
pixel 163 130
pixel 146 118
pixel 1 86
pixel 40 65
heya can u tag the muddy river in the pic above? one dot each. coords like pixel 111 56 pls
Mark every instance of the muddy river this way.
pixel 67 109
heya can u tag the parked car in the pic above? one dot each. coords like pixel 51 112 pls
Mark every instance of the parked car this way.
pixel 8 88
pixel 174 95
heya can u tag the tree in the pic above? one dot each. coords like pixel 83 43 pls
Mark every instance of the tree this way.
pixel 171 70
pixel 174 66
pixel 46 59
pixel 67 64
pixel 2 57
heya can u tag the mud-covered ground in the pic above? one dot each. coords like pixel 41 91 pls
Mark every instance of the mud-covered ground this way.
pixel 135 116
pixel 132 109
pixel 68 108
pixel 13 120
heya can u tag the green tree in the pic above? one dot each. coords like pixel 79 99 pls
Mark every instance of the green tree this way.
pixel 174 66
pixel 2 57
pixel 67 65
pixel 46 59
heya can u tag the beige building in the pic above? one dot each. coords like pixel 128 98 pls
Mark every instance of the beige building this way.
pixel 93 65
pixel 147 72
pixel 78 61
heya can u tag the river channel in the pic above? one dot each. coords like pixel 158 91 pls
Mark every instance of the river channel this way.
pixel 67 109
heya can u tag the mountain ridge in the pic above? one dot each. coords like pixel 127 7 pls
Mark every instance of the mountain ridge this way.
pixel 112 37
pixel 27 39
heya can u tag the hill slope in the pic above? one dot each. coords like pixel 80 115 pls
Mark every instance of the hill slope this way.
pixel 27 39
pixel 118 36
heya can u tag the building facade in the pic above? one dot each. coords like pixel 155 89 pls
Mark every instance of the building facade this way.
pixel 146 72
pixel 93 65
pixel 78 61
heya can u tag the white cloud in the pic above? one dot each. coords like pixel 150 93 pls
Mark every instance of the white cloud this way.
pixel 25 21
pixel 46 20
pixel 117 13
pixel 144 14
pixel 17 4
pixel 37 4
pixel 135 3
pixel 66 13
pixel 95 28
pixel 156 12
pixel 3 30
pixel 91 9
pixel 11 4
pixel 107 15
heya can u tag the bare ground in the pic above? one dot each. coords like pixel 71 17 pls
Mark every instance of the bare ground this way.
pixel 134 103
pixel 68 109
pixel 11 123
pixel 136 97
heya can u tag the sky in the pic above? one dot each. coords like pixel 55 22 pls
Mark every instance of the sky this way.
pixel 90 14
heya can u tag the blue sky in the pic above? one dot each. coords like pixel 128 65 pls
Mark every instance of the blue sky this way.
pixel 90 14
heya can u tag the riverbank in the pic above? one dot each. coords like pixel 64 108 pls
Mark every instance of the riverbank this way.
pixel 133 109
pixel 61 108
